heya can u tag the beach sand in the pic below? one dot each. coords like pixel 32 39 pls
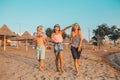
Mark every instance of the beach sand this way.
pixel 18 64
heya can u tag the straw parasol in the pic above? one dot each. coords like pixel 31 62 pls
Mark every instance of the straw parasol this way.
pixel 26 36
pixel 17 38
pixel 85 41
pixel 6 32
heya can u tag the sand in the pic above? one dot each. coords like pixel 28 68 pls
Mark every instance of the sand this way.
pixel 18 64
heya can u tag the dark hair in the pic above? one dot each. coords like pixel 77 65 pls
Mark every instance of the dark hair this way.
pixel 76 24
pixel 56 25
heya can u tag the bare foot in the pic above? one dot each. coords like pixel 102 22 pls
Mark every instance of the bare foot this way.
pixel 77 74
pixel 62 71
pixel 41 69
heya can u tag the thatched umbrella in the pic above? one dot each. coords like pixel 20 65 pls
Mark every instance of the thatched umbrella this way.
pixel 26 36
pixel 85 42
pixel 6 32
pixel 17 38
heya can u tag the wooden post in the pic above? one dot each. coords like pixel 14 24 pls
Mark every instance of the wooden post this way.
pixel 17 43
pixel 26 45
pixel 4 43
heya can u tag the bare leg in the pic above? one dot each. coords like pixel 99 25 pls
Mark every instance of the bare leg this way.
pixel 41 63
pixel 56 61
pixel 78 61
pixel 76 66
pixel 61 61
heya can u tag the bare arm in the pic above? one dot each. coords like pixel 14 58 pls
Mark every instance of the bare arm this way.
pixel 71 37
pixel 63 30
pixel 34 39
pixel 80 39
pixel 47 42
pixel 52 37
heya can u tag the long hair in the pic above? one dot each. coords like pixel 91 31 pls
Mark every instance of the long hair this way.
pixel 56 25
pixel 73 28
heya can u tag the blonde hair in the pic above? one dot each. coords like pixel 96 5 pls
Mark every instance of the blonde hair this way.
pixel 74 25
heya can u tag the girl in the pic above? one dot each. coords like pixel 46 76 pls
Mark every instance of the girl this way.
pixel 76 43
pixel 58 45
pixel 40 39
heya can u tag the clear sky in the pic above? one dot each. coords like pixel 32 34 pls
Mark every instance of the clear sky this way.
pixel 22 15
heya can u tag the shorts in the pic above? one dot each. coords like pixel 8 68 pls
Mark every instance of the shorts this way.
pixel 40 52
pixel 58 47
pixel 75 53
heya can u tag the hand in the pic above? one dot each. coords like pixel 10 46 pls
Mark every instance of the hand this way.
pixel 79 48
pixel 48 46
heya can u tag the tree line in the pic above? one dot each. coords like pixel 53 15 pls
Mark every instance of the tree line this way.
pixel 113 33
pixel 103 30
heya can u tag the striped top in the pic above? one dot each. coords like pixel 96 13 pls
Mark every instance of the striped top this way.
pixel 75 41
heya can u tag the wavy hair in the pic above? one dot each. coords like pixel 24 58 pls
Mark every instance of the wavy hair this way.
pixel 76 24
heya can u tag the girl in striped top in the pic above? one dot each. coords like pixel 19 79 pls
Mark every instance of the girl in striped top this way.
pixel 76 43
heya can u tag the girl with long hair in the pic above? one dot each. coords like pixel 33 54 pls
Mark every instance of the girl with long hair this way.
pixel 76 45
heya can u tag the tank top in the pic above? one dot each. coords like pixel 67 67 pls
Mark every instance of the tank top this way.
pixel 58 38
pixel 75 41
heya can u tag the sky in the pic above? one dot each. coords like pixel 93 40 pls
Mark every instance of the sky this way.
pixel 26 15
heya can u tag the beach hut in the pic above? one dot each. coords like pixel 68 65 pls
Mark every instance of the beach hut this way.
pixel 5 32
pixel 26 36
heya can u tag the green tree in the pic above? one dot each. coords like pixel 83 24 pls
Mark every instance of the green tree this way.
pixel 49 32
pixel 114 34
pixel 100 33
pixel 65 35
pixel 103 30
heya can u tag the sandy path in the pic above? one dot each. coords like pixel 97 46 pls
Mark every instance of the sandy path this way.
pixel 16 64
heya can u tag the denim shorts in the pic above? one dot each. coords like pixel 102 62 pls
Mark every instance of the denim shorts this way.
pixel 40 52
pixel 58 46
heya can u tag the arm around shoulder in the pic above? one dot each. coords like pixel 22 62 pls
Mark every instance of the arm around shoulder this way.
pixel 62 31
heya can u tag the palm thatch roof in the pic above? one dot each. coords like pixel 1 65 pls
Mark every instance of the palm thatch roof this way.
pixel 84 41
pixel 17 38
pixel 26 35
pixel 4 30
